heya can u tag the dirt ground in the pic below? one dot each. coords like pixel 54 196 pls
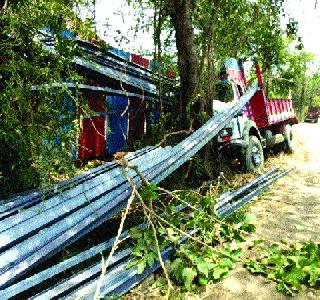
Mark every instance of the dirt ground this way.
pixel 289 211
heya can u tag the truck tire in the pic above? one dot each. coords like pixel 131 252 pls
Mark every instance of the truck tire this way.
pixel 288 145
pixel 254 158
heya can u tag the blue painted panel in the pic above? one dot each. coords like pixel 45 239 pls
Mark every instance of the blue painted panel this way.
pixel 63 33
pixel 67 34
pixel 117 131
pixel 154 66
pixel 120 53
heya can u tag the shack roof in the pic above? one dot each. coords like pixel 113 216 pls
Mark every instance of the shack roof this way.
pixel 113 69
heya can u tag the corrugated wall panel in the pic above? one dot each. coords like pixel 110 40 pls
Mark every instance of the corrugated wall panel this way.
pixel 117 131
pixel 137 120
pixel 92 140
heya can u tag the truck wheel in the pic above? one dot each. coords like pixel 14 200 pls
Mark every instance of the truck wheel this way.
pixel 288 145
pixel 254 158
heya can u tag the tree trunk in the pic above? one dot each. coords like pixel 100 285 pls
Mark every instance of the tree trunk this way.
pixel 181 16
pixel 302 101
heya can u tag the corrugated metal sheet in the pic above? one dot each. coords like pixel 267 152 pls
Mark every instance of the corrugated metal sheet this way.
pixel 123 54
pixel 36 233
pixel 138 59
pixel 137 120
pixel 117 132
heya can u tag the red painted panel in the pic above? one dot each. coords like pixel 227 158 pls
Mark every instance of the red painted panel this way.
pixel 259 75
pixel 279 110
pixel 258 107
pixel 137 119
pixel 92 141
pixel 144 62
pixel 97 101
pixel 273 106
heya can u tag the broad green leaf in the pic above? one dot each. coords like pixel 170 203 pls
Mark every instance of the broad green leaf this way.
pixel 203 267
pixel 235 254
pixel 176 268
pixel 278 260
pixel 226 262
pixel 135 233
pixel 255 267
pixel 141 266
pixel 150 258
pixel 284 288
pixel 202 280
pixel 172 235
pixel 188 275
pixel 219 272
pixel 250 219
pixel 295 277
pixel 132 263
pixel 314 273
pixel 150 192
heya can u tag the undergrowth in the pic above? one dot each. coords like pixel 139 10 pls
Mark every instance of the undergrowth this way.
pixel 206 248
pixel 292 267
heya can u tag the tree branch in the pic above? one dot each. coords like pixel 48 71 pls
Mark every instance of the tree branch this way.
pixel 4 5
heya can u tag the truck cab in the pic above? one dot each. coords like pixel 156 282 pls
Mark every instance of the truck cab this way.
pixel 262 124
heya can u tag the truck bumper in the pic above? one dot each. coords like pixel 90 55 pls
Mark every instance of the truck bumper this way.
pixel 232 149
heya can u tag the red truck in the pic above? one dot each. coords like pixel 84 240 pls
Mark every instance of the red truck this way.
pixel 262 124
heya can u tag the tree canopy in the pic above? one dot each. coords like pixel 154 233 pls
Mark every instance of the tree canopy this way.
pixel 207 32
pixel 30 122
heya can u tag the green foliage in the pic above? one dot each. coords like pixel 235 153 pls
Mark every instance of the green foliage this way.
pixel 197 266
pixel 313 90
pixel 31 122
pixel 290 266
pixel 150 192
pixel 290 72
pixel 144 249
pixel 208 257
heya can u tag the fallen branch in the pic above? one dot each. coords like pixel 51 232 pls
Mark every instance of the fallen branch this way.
pixel 146 209
pixel 115 245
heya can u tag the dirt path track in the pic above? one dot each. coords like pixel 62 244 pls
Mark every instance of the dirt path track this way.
pixel 289 211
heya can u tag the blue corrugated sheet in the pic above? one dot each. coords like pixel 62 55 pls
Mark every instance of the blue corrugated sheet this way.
pixel 123 54
pixel 154 66
pixel 117 130
pixel 68 34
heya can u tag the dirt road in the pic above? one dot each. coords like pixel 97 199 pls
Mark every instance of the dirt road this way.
pixel 290 211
